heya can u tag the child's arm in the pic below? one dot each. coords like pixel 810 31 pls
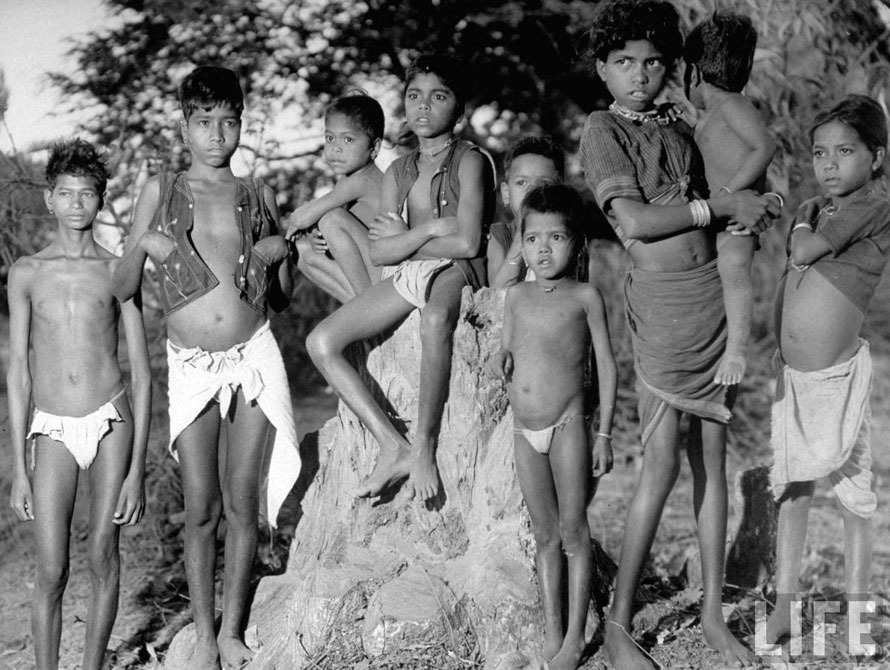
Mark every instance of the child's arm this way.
pixel 274 249
pixel 744 121
pixel 501 362
pixel 141 243
pixel 512 267
pixel 648 222
pixel 607 379
pixel 392 241
pixel 347 190
pixel 131 500
pixel 18 386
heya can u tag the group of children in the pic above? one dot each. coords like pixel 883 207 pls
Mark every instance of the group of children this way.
pixel 688 207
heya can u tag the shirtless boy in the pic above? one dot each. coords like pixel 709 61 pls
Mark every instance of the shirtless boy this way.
pixel 530 162
pixel 63 313
pixel 220 259
pixel 436 204
pixel 736 148
pixel 646 175
pixel 549 326
pixel 334 255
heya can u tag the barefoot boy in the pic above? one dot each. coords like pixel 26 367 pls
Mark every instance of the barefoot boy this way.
pixel 736 148
pixel 220 259
pixel 352 135
pixel 549 326
pixel 62 312
pixel 839 247
pixel 435 206
pixel 531 161
pixel 645 173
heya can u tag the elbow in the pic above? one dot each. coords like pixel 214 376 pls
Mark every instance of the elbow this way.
pixel 634 229
pixel 800 255
pixel 468 247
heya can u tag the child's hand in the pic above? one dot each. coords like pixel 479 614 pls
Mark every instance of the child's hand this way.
pixel 386 225
pixel 601 456
pixel 130 502
pixel 157 245
pixel 272 248
pixel 751 211
pixel 21 499
pixel 500 365
pixel 318 243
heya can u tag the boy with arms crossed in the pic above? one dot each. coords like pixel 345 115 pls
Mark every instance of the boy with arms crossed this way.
pixel 646 175
pixel 436 204
pixel 838 248
pixel 352 136
pixel 736 148
pixel 220 259
pixel 531 161
pixel 61 309
pixel 549 326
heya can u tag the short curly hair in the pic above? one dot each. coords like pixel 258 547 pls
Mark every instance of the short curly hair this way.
pixel 77 158
pixel 449 70
pixel 618 22
pixel 542 145
pixel 363 111
pixel 209 86
pixel 723 49
pixel 560 199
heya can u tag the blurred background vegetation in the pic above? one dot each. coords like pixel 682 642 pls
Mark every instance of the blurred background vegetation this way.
pixel 525 59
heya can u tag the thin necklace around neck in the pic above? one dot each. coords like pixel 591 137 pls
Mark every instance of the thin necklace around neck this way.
pixel 432 153
pixel 553 287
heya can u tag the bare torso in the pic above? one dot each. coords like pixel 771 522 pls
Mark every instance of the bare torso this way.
pixel 550 344
pixel 816 325
pixel 419 209
pixel 73 331
pixel 684 251
pixel 219 319
pixel 367 205
pixel 721 148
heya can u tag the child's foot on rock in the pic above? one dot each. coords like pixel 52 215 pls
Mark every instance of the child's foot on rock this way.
pixel 233 653
pixel 205 655
pixel 569 656
pixel 622 653
pixel 424 482
pixel 718 637
pixel 731 369
pixel 393 465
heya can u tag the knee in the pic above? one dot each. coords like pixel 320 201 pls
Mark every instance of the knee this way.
pixel 242 510
pixel 320 345
pixel 52 577
pixel 547 537
pixel 331 222
pixel 574 534
pixel 437 323
pixel 203 518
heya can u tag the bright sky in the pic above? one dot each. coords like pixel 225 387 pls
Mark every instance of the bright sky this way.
pixel 34 40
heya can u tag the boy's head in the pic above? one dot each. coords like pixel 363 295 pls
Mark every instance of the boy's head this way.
pixel 353 131
pixel 77 176
pixel 551 228
pixel 530 162
pixel 428 79
pixel 865 118
pixel 722 51
pixel 212 103
pixel 209 86
pixel 635 44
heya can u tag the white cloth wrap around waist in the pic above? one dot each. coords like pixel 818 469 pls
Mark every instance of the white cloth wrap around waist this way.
pixel 197 377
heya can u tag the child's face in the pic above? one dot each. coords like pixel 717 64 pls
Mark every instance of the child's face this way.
pixel 346 147
pixel 841 160
pixel 430 106
pixel 212 134
pixel 74 201
pixel 526 172
pixel 634 74
pixel 547 245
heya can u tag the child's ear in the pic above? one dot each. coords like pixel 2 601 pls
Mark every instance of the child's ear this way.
pixel 601 68
pixel 184 129
pixel 47 195
pixel 505 194
pixel 880 153
pixel 375 149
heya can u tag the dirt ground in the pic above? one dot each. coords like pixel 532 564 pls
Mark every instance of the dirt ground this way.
pixel 154 603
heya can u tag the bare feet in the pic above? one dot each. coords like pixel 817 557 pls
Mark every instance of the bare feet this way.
pixel 718 637
pixel 569 656
pixel 424 482
pixel 393 465
pixel 233 653
pixel 552 641
pixel 205 655
pixel 731 369
pixel 778 626
pixel 622 653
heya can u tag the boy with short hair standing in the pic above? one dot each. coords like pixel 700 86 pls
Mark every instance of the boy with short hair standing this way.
pixel 221 264
pixel 646 175
pixel 63 312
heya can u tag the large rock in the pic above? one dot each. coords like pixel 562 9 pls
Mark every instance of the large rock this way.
pixel 455 578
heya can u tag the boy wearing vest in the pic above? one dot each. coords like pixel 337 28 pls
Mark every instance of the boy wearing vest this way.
pixel 221 264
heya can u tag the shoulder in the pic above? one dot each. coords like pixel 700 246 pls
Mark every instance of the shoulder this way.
pixel 23 268
pixel 589 296
pixel 599 120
